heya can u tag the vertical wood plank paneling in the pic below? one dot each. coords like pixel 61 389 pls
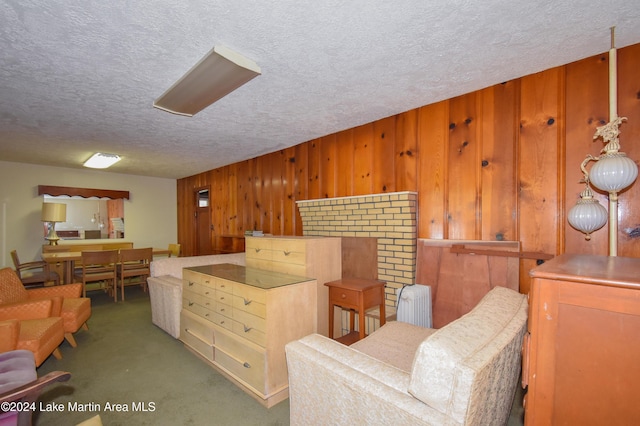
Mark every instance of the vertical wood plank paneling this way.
pixel 524 118
pixel 498 162
pixel 406 151
pixel 383 170
pixel 257 194
pixel 277 192
pixel 587 108
pixel 629 106
pixel 362 159
pixel 245 198
pixel 432 170
pixel 302 180
pixel 328 166
pixel 345 154
pixel 538 162
pixel 463 168
pixel 315 157
pixel 289 191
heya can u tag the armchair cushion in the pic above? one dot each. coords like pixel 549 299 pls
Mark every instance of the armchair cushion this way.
pixel 41 336
pixel 9 332
pixel 461 369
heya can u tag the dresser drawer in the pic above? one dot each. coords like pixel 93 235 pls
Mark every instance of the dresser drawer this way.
pixel 289 256
pixel 196 335
pixel 250 327
pixel 223 286
pixel 197 278
pixel 250 293
pixel 290 268
pixel 251 306
pixel 242 361
pixel 344 297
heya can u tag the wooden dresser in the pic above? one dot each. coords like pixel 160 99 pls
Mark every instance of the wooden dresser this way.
pixel 239 319
pixel 315 257
pixel 582 356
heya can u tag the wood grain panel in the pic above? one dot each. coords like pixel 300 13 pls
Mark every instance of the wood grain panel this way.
pixel 362 159
pixel 345 154
pixel 328 166
pixel 432 145
pixel 289 185
pixel 629 106
pixel 498 162
pixel 538 162
pixel 463 190
pixel 406 151
pixel 587 100
pixel 383 169
pixel 315 157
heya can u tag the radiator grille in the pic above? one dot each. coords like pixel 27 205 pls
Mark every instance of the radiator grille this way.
pixel 414 305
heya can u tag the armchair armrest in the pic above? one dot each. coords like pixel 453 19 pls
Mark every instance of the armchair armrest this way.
pixel 67 290
pixel 32 309
pixel 36 264
pixel 330 383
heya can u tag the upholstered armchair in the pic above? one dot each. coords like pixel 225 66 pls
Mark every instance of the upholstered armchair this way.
pixel 19 382
pixel 67 302
pixel 464 373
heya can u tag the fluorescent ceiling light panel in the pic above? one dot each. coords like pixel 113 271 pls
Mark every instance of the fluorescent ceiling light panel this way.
pixel 101 161
pixel 219 73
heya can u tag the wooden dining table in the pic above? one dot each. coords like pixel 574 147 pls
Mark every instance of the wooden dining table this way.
pixel 69 258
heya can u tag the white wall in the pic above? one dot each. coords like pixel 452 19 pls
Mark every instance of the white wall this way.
pixel 150 213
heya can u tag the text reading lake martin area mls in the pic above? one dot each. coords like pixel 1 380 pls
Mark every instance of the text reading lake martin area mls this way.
pixel 92 407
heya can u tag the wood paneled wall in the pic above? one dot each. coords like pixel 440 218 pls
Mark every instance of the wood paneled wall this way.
pixel 502 163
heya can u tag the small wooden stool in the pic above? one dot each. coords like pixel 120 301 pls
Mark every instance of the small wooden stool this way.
pixel 357 295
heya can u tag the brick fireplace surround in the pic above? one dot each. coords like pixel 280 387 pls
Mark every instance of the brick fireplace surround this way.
pixel 389 217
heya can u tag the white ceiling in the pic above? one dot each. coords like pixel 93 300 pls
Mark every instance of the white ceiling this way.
pixel 80 76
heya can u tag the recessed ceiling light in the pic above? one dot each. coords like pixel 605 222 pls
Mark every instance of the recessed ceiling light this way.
pixel 101 161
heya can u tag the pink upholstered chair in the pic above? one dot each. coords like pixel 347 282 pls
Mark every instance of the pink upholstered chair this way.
pixel 67 301
pixel 19 382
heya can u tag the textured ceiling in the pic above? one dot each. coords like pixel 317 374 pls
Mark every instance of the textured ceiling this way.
pixel 81 76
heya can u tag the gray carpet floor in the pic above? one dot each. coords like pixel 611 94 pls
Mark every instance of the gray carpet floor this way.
pixel 124 359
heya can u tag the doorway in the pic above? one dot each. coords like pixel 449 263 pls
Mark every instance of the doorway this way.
pixel 204 228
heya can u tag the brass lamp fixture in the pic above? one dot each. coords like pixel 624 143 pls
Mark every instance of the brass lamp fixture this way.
pixel 53 213
pixel 612 172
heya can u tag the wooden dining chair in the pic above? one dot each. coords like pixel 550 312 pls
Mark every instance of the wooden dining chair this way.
pixel 36 273
pixel 100 266
pixel 134 263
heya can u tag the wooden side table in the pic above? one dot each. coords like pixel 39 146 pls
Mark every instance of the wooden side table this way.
pixel 357 295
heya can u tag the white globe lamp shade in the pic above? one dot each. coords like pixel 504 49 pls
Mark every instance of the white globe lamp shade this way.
pixel 587 215
pixel 613 172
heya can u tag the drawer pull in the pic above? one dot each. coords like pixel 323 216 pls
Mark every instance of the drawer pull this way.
pixel 247 301
pixel 344 296
pixel 222 310
pixel 191 283
pixel 190 303
pixel 257 250
pixel 206 292
pixel 286 253
pixel 206 315
pixel 246 365
pixel 246 329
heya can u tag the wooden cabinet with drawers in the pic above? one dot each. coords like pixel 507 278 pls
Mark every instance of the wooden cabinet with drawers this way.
pixel 239 319
pixel 315 257
pixel 582 356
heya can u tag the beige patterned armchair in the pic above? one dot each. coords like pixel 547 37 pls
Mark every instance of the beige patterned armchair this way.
pixel 465 373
